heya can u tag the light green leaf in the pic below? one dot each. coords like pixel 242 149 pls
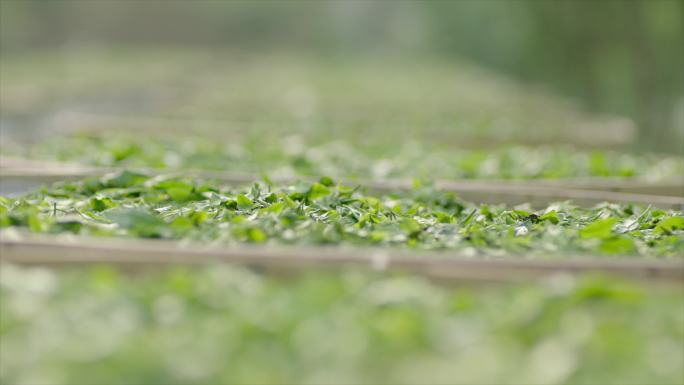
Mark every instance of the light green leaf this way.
pixel 244 203
pixel 179 194
pixel 670 224
pixel 602 228
pixel 617 245
pixel 318 191
pixel 551 216
pixel 410 226
pixel 256 235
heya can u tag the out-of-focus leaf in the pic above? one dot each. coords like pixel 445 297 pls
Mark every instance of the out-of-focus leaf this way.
pixel 617 245
pixel 244 203
pixel 668 225
pixel 318 191
pixel 601 228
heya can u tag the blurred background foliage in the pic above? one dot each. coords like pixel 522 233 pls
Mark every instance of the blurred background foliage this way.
pixel 617 57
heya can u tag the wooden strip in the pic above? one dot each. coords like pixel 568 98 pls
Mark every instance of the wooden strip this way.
pixel 15 180
pixel 70 251
pixel 668 187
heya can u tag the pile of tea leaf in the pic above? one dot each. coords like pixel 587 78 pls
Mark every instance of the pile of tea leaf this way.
pixel 135 205
pixel 294 155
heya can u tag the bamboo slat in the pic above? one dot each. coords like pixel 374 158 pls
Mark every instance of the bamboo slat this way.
pixel 450 266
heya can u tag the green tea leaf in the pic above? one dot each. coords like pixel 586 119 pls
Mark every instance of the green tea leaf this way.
pixel 244 203
pixel 256 235
pixel 551 216
pixel 101 204
pixel 670 224
pixel 318 191
pixel 179 194
pixel 617 245
pixel 326 181
pixel 410 226
pixel 36 223
pixel 126 179
pixel 601 228
pixel 138 221
pixel 182 224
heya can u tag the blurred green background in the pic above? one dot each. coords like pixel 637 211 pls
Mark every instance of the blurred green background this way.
pixel 616 57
